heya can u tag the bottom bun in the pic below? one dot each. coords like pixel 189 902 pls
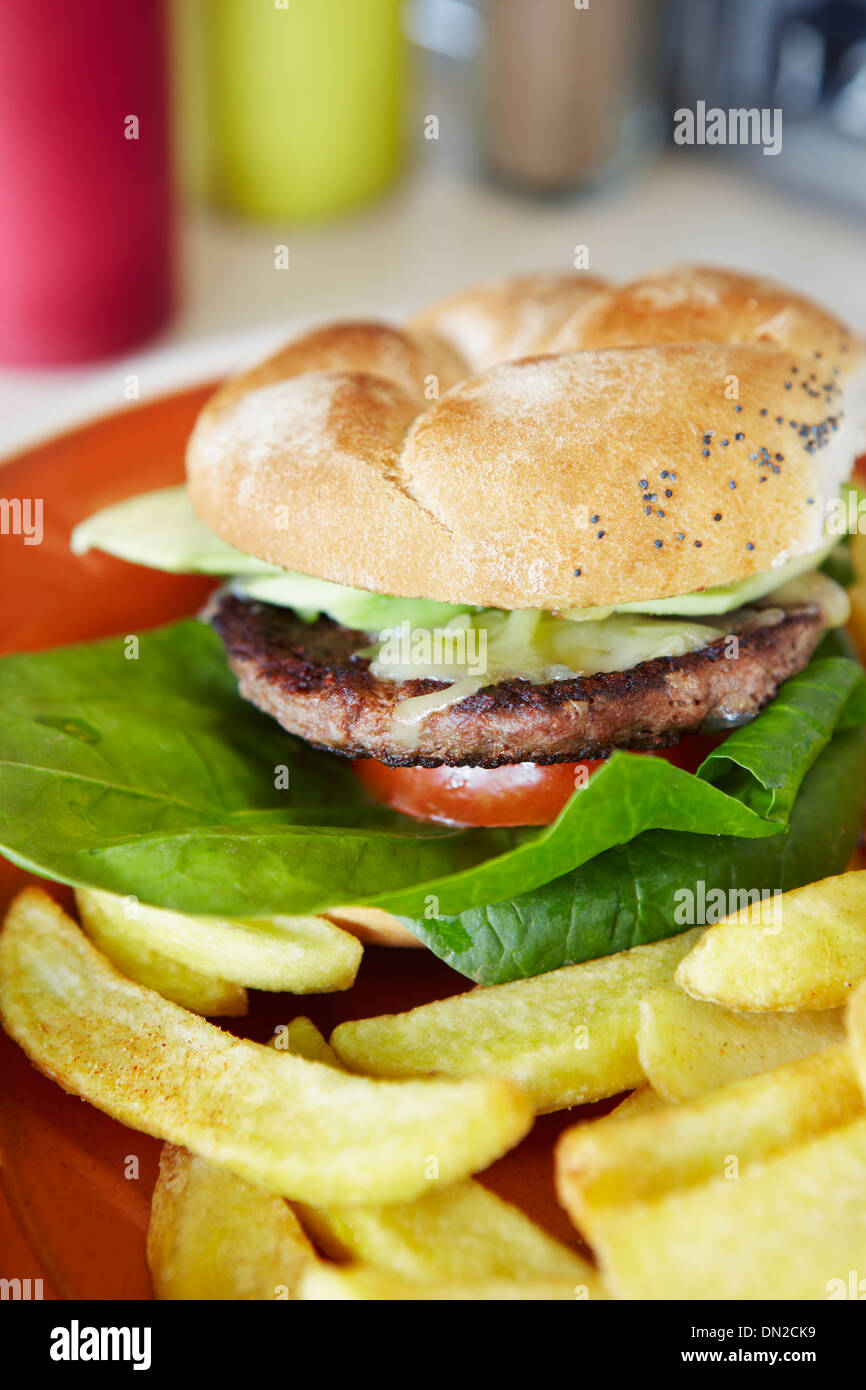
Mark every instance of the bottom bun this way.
pixel 372 926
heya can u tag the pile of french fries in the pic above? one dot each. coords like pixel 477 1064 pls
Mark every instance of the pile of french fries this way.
pixel 343 1169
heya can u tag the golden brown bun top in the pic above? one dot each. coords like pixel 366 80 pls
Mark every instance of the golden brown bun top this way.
pixel 700 304
pixel 517 317
pixel 683 431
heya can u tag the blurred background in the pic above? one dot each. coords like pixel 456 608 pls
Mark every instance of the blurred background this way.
pixel 181 176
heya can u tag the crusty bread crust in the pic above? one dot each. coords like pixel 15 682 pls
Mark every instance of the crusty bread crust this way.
pixel 685 431
pixel 520 316
pixel 701 304
pixel 373 926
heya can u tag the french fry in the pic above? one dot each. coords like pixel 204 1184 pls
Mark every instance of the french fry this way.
pixel 566 1037
pixel 639 1102
pixel 609 1163
pixel 302 955
pixel 791 1227
pixel 204 1217
pixel 462 1232
pixel 136 957
pixel 303 1038
pixel 687 1047
pixel 295 1127
pixel 855 1020
pixel 213 1235
pixel 333 1283
pixel 805 950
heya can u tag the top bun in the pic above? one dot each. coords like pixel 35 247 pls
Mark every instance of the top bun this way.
pixel 683 431
pixel 521 316
pixel 700 304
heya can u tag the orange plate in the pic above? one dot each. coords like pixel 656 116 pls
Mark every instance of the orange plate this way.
pixel 75 1184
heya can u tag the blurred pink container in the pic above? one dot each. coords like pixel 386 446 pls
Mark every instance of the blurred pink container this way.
pixel 85 206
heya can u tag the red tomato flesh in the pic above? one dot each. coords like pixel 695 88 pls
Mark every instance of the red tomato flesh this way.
pixel 517 794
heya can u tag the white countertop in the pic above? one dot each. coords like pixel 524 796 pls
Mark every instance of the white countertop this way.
pixel 438 230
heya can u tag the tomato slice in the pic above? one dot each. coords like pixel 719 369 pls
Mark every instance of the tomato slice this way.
pixel 517 794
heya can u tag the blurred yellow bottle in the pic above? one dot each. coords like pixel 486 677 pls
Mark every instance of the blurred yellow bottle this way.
pixel 302 102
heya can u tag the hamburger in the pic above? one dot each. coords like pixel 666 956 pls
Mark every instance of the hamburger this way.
pixel 556 570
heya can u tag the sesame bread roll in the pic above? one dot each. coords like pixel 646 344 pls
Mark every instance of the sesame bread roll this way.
pixel 686 431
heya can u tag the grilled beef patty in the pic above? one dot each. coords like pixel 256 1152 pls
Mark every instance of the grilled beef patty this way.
pixel 309 678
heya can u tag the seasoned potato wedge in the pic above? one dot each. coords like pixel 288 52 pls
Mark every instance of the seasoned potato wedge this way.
pixel 855 1020
pixel 608 1163
pixel 639 1102
pixel 566 1037
pixel 687 1047
pixel 461 1232
pixel 213 1235
pixel 303 955
pixel 790 1227
pixel 807 951
pixel 299 1128
pixel 331 1283
pixel 136 956
pixel 303 1038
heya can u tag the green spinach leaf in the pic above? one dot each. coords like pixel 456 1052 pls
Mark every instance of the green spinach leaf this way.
pixel 151 776
pixel 636 893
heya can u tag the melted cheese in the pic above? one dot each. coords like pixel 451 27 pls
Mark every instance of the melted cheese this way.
pixel 481 649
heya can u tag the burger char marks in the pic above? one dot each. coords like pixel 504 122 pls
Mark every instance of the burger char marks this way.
pixel 309 678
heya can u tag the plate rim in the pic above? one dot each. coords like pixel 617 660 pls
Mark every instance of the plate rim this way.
pixel 162 371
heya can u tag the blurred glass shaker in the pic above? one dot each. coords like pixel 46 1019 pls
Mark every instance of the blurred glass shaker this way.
pixel 568 90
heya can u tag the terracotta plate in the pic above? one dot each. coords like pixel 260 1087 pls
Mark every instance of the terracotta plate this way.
pixel 75 1185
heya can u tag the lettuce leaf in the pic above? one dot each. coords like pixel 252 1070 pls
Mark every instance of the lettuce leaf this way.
pixel 160 529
